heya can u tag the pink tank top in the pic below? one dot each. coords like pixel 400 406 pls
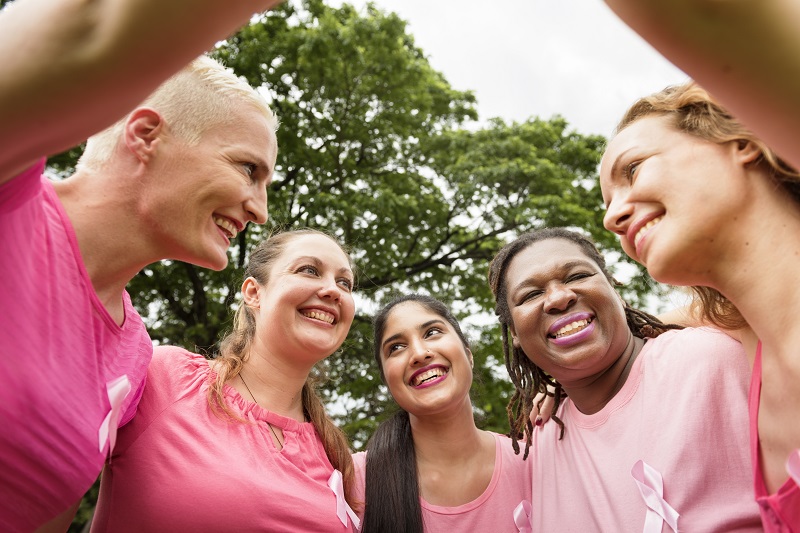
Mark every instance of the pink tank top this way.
pixel 780 512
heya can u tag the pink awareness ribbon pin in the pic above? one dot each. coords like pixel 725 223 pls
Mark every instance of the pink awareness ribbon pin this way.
pixel 336 483
pixel 793 466
pixel 522 517
pixel 117 389
pixel 651 487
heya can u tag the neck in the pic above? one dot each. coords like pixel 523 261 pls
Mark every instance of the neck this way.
pixel 273 386
pixel 455 460
pixel 758 273
pixel 591 394
pixel 108 234
pixel 448 437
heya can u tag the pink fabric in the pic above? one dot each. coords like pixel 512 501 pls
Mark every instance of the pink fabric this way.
pixel 780 512
pixel 682 411
pixel 60 353
pixel 491 511
pixel 179 466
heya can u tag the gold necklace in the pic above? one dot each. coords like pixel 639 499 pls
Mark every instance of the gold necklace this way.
pixel 272 429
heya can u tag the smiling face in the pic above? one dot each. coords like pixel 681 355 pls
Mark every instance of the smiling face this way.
pixel 425 363
pixel 674 198
pixel 565 315
pixel 305 308
pixel 201 195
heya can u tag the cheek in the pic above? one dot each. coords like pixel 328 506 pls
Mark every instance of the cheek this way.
pixel 531 344
pixel 628 248
pixel 394 376
pixel 349 306
pixel 524 321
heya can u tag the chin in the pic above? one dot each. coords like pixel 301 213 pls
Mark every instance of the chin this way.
pixel 219 265
pixel 213 261
pixel 318 352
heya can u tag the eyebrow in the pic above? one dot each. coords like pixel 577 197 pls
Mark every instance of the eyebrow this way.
pixel 317 262
pixel 261 164
pixel 421 326
pixel 615 165
pixel 569 265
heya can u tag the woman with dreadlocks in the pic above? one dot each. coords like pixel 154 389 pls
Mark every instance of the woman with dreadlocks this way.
pixel 650 419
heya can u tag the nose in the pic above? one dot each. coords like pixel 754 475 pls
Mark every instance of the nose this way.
pixel 330 289
pixel 256 204
pixel 618 216
pixel 558 298
pixel 419 354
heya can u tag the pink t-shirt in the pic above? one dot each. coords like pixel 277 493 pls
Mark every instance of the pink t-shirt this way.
pixel 64 362
pixel 179 466
pixel 491 511
pixel 683 412
pixel 780 512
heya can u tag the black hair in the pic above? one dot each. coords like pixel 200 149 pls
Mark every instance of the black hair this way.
pixel 392 479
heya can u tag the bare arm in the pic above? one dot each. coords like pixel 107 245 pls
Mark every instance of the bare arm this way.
pixel 73 67
pixel 745 52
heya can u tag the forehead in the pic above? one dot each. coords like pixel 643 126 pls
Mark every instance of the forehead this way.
pixel 248 130
pixel 315 246
pixel 546 257
pixel 644 132
pixel 409 315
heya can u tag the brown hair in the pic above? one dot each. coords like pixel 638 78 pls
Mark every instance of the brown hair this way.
pixel 529 379
pixel 693 110
pixel 235 349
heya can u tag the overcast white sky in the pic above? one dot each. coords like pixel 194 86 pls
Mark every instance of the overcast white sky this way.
pixel 526 58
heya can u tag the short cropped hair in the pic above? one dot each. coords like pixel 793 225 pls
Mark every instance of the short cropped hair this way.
pixel 195 99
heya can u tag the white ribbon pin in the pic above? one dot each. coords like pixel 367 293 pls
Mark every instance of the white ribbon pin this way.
pixel 522 517
pixel 336 483
pixel 117 389
pixel 651 486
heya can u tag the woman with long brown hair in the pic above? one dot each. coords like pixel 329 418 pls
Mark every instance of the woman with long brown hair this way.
pixel 242 442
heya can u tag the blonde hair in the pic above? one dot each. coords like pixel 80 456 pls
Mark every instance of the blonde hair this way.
pixel 192 101
pixel 694 111
pixel 235 349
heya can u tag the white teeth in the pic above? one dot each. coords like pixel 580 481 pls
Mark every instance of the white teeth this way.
pixel 573 327
pixel 640 234
pixel 428 374
pixel 319 315
pixel 226 225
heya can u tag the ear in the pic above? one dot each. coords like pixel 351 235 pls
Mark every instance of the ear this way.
pixel 514 338
pixel 621 299
pixel 747 152
pixel 250 292
pixel 471 360
pixel 142 132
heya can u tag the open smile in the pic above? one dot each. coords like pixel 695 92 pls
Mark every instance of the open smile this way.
pixel 429 375
pixel 642 231
pixel 319 314
pixel 571 329
pixel 228 226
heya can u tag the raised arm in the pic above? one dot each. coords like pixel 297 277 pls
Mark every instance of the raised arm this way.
pixel 745 52
pixel 72 67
